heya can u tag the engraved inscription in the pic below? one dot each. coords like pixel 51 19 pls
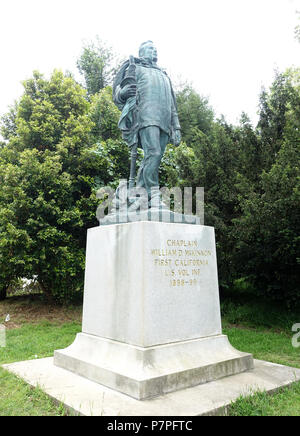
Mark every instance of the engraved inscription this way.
pixel 181 261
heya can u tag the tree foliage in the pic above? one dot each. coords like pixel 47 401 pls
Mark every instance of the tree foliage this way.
pixel 105 116
pixel 251 182
pixel 267 232
pixel 97 66
pixel 46 186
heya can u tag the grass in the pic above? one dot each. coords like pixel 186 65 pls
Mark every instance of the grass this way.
pixel 36 329
pixel 35 341
pixel 265 330
pixel 265 345
pixel 274 347
pixel 20 399
pixel 266 315
pixel 283 403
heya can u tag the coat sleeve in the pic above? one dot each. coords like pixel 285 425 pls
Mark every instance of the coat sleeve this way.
pixel 117 98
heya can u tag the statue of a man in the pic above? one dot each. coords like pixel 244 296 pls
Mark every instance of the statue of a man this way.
pixel 144 94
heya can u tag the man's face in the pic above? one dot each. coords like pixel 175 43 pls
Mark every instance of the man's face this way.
pixel 150 52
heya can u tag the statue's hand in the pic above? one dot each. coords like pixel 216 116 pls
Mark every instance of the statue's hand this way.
pixel 177 138
pixel 128 91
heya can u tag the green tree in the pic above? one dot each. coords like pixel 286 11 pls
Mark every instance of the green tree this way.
pixel 112 152
pixel 194 113
pixel 267 232
pixel 47 177
pixel 250 153
pixel 97 65
pixel 273 107
pixel 8 122
pixel 113 162
pixel 209 158
pixel 105 116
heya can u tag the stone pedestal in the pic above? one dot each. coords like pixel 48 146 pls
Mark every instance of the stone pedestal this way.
pixel 151 314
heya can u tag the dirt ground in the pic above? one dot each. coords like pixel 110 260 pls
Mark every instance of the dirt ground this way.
pixel 34 309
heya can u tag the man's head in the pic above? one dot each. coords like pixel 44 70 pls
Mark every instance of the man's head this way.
pixel 148 51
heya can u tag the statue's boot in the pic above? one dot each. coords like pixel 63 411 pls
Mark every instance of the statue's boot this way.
pixel 155 199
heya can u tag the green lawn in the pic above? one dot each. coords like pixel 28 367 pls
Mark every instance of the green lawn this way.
pixel 284 403
pixel 247 327
pixel 274 347
pixel 31 341
pixel 17 398
pixel 265 330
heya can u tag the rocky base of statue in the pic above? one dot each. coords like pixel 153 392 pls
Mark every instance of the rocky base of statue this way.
pixel 151 313
pixel 154 214
pixel 134 204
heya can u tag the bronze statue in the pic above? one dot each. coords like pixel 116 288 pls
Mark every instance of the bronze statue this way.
pixel 144 94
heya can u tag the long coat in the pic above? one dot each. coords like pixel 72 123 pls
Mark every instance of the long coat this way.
pixel 153 105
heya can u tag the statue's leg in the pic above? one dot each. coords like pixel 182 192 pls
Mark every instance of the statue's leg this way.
pixel 150 141
pixel 164 140
pixel 140 176
pixel 156 200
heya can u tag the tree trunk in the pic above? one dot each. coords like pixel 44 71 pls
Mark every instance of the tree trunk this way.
pixel 46 292
pixel 3 293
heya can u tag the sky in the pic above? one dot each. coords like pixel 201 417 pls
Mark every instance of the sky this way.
pixel 227 49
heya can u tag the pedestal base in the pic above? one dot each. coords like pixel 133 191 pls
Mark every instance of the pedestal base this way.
pixel 146 372
pixel 151 313
pixel 154 215
pixel 84 397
